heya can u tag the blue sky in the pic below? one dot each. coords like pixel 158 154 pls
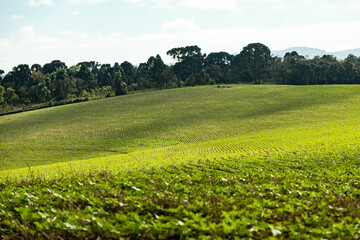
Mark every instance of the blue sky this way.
pixel 108 31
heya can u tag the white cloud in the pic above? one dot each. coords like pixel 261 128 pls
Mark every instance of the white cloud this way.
pixel 198 4
pixel 210 4
pixel 180 24
pixel 133 1
pixel 154 4
pixel 236 5
pixel 16 17
pixel 72 47
pixel 27 32
pixel 330 36
pixel 349 6
pixel 5 45
pixel 266 1
pixel 66 33
pixel 76 2
pixel 41 2
pixel 283 7
pixel 75 13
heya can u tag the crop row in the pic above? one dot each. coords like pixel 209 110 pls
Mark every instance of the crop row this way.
pixel 188 116
pixel 285 198
pixel 261 146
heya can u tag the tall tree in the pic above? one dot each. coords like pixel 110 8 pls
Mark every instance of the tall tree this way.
pixel 129 71
pixel 252 63
pixel 49 68
pixel 352 66
pixel 218 64
pixel 190 61
pixel 36 67
pixel 86 75
pixel 221 59
pixel 1 75
pixel 143 77
pixel 293 58
pixel 42 92
pixel 62 84
pixel 10 96
pixel 2 92
pixel 19 79
pixel 156 67
pixel 105 75
pixel 295 64
pixel 119 83
pixel 37 77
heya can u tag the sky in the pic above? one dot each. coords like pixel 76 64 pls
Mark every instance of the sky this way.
pixel 109 31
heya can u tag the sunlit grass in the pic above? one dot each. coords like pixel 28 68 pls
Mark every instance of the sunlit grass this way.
pixel 259 162
pixel 181 125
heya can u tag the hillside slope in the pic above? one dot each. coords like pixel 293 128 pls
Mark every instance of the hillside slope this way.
pixel 182 124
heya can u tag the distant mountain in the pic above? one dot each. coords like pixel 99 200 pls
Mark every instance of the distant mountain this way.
pixel 341 55
pixel 305 51
pixel 312 52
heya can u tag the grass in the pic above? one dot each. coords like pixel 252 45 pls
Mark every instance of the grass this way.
pixel 171 118
pixel 286 198
pixel 205 162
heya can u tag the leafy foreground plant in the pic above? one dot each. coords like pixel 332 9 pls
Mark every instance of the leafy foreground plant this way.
pixel 291 197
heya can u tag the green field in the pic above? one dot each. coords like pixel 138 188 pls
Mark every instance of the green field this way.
pixel 245 160
pixel 186 123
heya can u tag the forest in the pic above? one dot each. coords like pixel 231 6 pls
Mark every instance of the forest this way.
pixel 55 83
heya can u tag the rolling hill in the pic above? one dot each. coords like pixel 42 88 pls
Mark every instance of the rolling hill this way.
pixel 243 161
pixel 312 52
pixel 179 125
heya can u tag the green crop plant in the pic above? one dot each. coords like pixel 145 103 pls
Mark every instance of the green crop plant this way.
pixel 294 196
pixel 277 162
pixel 147 121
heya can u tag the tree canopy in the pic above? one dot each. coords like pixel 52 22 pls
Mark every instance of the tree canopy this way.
pixel 253 65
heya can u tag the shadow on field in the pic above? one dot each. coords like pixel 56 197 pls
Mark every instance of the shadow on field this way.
pixel 210 122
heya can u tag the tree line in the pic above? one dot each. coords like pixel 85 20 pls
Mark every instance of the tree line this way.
pixel 54 81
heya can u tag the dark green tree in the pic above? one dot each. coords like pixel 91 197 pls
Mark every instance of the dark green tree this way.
pixel 292 58
pixel 190 61
pixel 143 77
pixel 252 63
pixel 90 82
pixel 221 59
pixel 295 64
pixel 52 67
pixel 93 66
pixel 1 76
pixel 10 96
pixel 218 65
pixel 156 67
pixel 217 74
pixel 19 79
pixel 36 67
pixel 120 86
pixel 2 92
pixel 277 71
pixel 352 66
pixel 301 73
pixel 129 71
pixel 105 75
pixel 19 76
pixel 42 92
pixel 62 84
pixel 37 77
